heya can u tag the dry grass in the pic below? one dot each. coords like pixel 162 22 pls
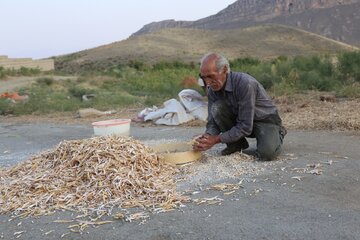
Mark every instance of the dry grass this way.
pixel 90 176
pixel 308 112
pixel 191 44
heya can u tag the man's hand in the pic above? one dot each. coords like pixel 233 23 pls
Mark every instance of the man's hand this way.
pixel 205 142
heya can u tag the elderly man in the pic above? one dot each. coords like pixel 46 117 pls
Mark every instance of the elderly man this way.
pixel 239 107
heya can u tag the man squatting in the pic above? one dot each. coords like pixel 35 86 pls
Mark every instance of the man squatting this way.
pixel 238 107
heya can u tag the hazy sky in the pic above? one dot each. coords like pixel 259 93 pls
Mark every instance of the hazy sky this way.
pixel 44 28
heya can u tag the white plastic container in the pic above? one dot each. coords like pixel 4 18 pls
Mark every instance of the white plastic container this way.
pixel 119 127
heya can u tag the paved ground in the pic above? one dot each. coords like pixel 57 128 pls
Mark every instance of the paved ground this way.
pixel 280 202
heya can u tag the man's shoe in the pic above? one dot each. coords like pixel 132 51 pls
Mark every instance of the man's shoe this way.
pixel 235 147
pixel 230 150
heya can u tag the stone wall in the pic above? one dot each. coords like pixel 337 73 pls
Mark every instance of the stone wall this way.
pixel 17 63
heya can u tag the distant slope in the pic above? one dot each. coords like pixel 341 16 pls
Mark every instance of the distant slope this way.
pixel 336 19
pixel 341 23
pixel 190 44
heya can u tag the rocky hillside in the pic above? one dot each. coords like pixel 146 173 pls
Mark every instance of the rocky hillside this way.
pixel 336 19
pixel 156 26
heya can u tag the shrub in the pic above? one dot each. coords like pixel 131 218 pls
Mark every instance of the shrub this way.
pixel 282 88
pixel 116 72
pixel 138 65
pixel 305 63
pixel 110 85
pixel 175 64
pixel 111 99
pixel 241 62
pixel 350 91
pixel 349 66
pixel 29 71
pixel 283 69
pixel 326 68
pixel 163 83
pixel 266 80
pixel 4 106
pixel 310 80
pixel 78 92
pixel 45 81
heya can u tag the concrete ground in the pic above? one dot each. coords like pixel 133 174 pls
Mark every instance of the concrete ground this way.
pixel 288 199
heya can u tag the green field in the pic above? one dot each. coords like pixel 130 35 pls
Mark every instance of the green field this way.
pixel 140 84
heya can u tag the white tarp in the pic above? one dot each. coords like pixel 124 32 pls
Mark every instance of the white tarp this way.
pixel 194 103
pixel 173 113
pixel 191 106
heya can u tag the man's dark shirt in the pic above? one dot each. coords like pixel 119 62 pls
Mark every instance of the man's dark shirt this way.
pixel 248 101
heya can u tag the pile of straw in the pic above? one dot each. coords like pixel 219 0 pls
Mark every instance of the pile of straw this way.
pixel 88 176
pixel 310 113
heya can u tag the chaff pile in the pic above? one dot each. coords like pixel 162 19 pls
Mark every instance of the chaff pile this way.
pixel 89 175
pixel 213 167
pixel 308 112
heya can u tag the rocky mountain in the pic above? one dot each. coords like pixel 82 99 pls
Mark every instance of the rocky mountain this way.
pixel 336 19
pixel 156 26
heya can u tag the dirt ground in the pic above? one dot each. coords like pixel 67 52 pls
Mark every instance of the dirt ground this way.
pixel 11 83
pixel 310 192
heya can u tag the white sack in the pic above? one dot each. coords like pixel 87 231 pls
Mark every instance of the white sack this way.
pixel 194 103
pixel 173 113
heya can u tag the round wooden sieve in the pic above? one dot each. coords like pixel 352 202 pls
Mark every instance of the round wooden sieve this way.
pixel 177 153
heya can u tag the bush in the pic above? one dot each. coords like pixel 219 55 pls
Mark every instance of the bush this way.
pixel 350 91
pixel 138 65
pixel 349 66
pixel 283 69
pixel 45 81
pixel 241 62
pixel 305 63
pixel 111 99
pixel 116 71
pixel 282 88
pixel 310 80
pixel 163 83
pixel 4 106
pixel 175 64
pixel 78 92
pixel 266 80
pixel 326 68
pixel 111 85
pixel 4 72
pixel 29 71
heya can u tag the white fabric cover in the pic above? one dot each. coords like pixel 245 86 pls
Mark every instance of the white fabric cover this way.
pixel 192 107
pixel 173 113
pixel 194 103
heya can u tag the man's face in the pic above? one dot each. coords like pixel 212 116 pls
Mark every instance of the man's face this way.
pixel 213 78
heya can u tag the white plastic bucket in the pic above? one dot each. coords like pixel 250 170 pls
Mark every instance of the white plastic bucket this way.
pixel 120 127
